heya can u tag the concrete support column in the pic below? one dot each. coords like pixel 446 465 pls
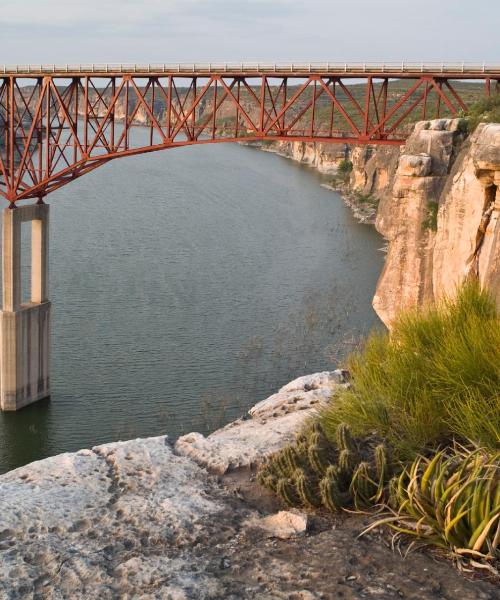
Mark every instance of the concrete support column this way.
pixel 25 328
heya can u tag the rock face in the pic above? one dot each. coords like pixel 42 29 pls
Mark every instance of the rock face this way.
pixel 373 169
pixel 438 207
pixel 440 216
pixel 102 522
pixel 127 516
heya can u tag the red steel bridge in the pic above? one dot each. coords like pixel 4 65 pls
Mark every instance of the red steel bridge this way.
pixel 59 122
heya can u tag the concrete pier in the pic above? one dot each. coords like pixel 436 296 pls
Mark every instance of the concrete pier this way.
pixel 25 328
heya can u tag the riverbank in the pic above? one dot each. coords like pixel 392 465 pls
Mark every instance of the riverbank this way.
pixel 371 170
pixel 149 519
pixel 435 200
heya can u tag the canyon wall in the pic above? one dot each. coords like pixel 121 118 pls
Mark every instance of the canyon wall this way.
pixel 440 216
pixel 435 200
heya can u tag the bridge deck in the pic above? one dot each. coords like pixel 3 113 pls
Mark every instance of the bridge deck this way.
pixel 245 69
pixel 59 122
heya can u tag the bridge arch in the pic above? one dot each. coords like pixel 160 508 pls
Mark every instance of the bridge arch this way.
pixel 58 123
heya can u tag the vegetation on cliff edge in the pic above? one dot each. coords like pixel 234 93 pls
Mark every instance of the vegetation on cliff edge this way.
pixel 417 430
pixel 437 375
pixel 486 110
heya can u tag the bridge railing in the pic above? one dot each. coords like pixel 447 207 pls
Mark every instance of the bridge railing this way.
pixel 255 67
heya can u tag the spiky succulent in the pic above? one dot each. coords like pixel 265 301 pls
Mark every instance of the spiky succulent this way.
pixel 306 489
pixel 450 500
pixel 313 471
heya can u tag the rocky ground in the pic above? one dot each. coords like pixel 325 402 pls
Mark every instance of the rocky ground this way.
pixel 143 519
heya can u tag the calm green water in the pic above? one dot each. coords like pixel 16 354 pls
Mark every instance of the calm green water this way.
pixel 186 286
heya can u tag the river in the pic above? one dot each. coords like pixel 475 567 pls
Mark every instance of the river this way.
pixel 186 286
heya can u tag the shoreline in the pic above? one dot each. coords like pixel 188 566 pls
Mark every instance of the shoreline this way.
pixel 363 213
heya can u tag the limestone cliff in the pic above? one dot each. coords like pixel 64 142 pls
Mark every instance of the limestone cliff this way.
pixel 440 216
pixel 435 201
pixel 373 169
pixel 323 157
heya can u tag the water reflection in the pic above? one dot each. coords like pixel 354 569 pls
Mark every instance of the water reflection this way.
pixel 25 434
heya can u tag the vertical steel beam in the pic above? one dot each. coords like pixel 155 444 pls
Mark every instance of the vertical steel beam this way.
pixel 11 139
pixel 215 111
pixel 262 103
pixel 368 91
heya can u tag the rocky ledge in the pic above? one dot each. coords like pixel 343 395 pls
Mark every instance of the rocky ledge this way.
pixel 143 519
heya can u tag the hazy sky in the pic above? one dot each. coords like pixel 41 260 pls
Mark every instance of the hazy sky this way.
pixel 202 30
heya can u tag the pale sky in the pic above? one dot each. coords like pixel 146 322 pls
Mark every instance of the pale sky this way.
pixel 64 31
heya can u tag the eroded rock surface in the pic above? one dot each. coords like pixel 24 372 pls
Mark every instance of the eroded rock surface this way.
pixel 133 520
pixel 323 157
pixel 272 423
pixel 102 523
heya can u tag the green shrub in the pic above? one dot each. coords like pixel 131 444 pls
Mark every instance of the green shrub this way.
pixel 366 199
pixel 486 110
pixel 345 167
pixel 437 375
pixel 450 500
pixel 430 221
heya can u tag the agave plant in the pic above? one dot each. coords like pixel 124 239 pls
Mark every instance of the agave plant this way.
pixel 450 500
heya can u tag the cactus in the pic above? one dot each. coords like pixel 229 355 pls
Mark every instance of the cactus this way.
pixel 383 471
pixel 291 458
pixel 286 490
pixel 382 465
pixel 301 447
pixel 394 493
pixel 312 471
pixel 267 480
pixel 317 459
pixel 344 438
pixel 305 490
pixel 315 427
pixel 331 495
pixel 301 438
pixel 315 438
pixel 362 486
pixel 347 462
pixel 275 466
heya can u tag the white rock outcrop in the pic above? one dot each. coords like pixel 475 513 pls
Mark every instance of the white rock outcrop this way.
pixel 104 522
pixel 130 518
pixel 273 423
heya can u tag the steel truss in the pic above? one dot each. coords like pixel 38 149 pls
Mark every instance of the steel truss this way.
pixel 55 128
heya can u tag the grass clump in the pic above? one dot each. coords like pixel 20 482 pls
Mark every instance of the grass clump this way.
pixel 450 499
pixel 437 375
